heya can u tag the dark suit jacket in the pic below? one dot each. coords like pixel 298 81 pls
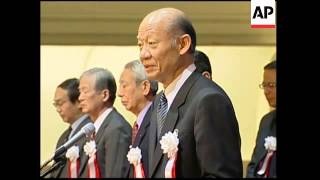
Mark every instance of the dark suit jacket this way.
pixel 112 140
pixel 142 141
pixel 209 138
pixel 267 128
pixel 62 171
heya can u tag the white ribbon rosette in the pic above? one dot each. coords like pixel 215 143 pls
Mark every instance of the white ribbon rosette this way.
pixel 90 150
pixel 74 163
pixel 169 144
pixel 134 157
pixel 271 145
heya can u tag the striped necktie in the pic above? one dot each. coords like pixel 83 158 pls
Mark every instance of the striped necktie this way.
pixel 162 112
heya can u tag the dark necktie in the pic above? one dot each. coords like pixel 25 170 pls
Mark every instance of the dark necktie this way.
pixel 162 112
pixel 68 133
pixel 135 129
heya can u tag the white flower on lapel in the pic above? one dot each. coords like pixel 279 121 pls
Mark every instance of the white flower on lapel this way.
pixel 134 155
pixel 73 153
pixel 270 143
pixel 90 148
pixel 169 143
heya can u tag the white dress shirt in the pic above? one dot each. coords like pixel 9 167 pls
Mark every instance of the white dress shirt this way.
pixel 174 87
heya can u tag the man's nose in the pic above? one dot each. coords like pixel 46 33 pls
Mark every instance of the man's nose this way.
pixel 145 53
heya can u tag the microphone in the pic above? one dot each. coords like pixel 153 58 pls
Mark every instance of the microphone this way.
pixel 87 130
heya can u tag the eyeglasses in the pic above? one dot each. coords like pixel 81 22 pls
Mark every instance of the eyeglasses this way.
pixel 58 103
pixel 267 84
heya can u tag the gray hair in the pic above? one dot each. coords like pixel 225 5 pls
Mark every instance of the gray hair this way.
pixel 103 80
pixel 140 75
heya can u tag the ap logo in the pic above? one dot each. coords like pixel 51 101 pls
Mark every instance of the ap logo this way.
pixel 263 14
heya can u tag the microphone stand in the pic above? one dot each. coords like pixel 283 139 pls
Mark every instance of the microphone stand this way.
pixel 45 163
pixel 58 160
pixel 46 171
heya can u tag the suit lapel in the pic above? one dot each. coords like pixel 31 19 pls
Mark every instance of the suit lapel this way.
pixel 153 131
pixel 172 117
pixel 99 134
pixel 142 130
pixel 105 123
pixel 269 131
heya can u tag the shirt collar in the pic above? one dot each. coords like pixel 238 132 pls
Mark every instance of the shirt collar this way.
pixel 101 118
pixel 174 87
pixel 77 123
pixel 143 113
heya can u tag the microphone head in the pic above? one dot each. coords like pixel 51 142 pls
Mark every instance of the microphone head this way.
pixel 88 129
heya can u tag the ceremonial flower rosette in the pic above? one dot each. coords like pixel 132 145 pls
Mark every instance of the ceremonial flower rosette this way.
pixel 74 163
pixel 93 167
pixel 134 157
pixel 169 144
pixel 270 143
pixel 271 146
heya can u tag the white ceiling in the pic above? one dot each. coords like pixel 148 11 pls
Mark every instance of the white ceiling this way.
pixel 116 23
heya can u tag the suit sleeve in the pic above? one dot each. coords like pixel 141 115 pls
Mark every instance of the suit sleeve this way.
pixel 217 137
pixel 117 147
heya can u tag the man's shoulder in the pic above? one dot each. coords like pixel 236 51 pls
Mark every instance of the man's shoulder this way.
pixel 267 118
pixel 118 120
pixel 205 88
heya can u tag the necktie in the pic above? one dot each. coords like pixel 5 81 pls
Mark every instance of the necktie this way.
pixel 135 129
pixel 68 133
pixel 162 112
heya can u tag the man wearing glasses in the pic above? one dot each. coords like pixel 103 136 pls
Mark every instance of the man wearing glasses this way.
pixel 67 105
pixel 263 160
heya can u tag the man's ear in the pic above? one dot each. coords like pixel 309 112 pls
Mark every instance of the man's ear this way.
pixel 184 43
pixel 207 75
pixel 105 95
pixel 146 87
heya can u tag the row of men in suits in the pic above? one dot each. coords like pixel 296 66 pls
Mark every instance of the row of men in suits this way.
pixel 192 110
pixel 95 94
pixel 137 94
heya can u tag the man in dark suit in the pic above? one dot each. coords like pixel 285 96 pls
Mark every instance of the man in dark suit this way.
pixel 197 108
pixel 67 105
pixel 112 132
pixel 267 129
pixel 137 94
pixel 202 62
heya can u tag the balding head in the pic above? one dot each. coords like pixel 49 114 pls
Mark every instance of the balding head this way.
pixel 163 15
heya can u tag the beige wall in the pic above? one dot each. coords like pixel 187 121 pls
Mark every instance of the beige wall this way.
pixel 238 69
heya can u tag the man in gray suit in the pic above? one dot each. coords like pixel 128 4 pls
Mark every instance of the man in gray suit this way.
pixel 193 106
pixel 137 94
pixel 112 132
pixel 67 105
